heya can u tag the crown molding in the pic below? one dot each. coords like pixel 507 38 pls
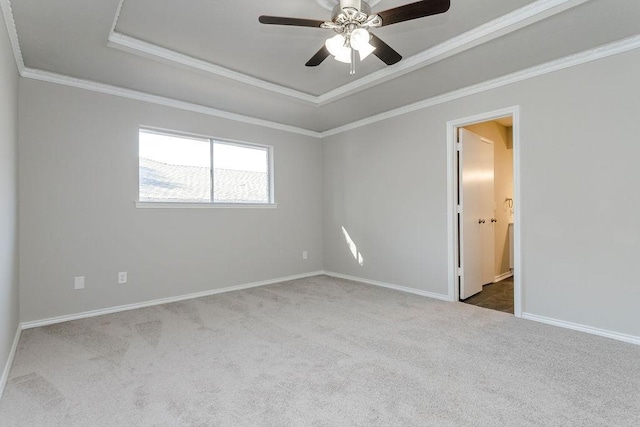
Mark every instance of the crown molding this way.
pixel 491 30
pixel 116 17
pixel 107 89
pixel 584 57
pixel 126 43
pixel 527 15
pixel 604 51
pixel 10 23
pixel 149 50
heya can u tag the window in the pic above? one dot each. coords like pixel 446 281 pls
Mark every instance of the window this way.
pixel 185 169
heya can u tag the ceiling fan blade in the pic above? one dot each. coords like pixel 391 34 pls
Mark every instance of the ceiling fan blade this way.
pixel 415 10
pixel 317 59
pixel 384 51
pixel 278 20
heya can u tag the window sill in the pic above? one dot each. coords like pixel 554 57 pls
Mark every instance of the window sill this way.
pixel 198 205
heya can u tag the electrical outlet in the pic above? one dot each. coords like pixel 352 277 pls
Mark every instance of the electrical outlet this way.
pixel 78 282
pixel 304 254
pixel 122 277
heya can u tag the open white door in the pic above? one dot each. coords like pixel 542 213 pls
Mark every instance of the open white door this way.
pixel 477 207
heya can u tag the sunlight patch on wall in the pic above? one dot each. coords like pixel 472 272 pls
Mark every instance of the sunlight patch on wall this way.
pixel 352 247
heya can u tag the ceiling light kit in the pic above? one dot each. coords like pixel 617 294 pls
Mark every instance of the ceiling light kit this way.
pixel 352 20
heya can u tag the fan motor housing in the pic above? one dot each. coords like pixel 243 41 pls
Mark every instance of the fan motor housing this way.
pixel 330 4
pixel 359 5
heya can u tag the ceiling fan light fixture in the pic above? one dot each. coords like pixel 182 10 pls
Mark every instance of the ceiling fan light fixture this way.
pixel 365 51
pixel 336 46
pixel 359 38
pixel 344 56
pixel 352 19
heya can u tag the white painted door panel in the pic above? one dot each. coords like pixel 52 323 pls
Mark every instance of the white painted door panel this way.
pixel 477 204
pixel 488 212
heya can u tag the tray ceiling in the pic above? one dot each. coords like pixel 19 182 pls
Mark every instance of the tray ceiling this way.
pixel 228 34
pixel 216 54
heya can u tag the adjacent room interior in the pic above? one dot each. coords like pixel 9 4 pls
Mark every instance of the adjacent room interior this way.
pixel 486 226
pixel 319 212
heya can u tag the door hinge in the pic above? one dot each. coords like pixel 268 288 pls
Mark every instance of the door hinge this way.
pixel 459 272
pixel 458 146
pixel 458 209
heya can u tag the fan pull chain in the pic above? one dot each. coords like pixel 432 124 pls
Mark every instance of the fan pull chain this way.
pixel 352 70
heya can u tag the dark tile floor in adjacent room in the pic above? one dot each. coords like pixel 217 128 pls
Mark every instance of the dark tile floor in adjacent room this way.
pixel 496 296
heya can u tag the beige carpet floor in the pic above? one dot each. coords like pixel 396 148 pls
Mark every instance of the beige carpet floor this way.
pixel 319 351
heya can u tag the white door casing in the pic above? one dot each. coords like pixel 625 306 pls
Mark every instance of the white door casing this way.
pixel 452 202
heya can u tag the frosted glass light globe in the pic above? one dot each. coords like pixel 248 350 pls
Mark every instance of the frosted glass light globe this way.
pixel 365 51
pixel 335 46
pixel 359 38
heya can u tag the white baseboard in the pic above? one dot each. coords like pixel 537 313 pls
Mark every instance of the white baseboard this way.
pixel 428 294
pixel 503 276
pixel 632 339
pixel 7 366
pixel 561 323
pixel 110 310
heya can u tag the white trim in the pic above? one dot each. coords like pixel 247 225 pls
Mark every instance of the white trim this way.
pixel 127 307
pixel 203 205
pixel 60 79
pixel 10 23
pixel 452 182
pixel 517 218
pixel 453 209
pixel 148 50
pixel 491 30
pixel 503 276
pixel 7 366
pixel 584 57
pixel 388 285
pixel 632 339
pixel 202 137
pixel 515 20
pixel 116 17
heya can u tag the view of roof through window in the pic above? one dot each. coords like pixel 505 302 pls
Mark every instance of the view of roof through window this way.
pixel 175 168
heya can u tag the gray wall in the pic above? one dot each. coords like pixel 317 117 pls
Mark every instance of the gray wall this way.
pixel 8 197
pixel 78 184
pixel 386 184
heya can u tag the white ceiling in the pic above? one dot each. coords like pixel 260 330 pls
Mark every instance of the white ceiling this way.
pixel 214 53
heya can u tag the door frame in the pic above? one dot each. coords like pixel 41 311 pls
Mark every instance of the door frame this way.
pixel 452 211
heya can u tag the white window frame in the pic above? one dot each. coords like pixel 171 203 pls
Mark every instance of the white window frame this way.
pixel 169 204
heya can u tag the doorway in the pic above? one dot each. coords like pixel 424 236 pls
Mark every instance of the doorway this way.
pixel 484 256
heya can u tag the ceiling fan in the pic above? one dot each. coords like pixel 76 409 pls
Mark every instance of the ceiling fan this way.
pixel 352 20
